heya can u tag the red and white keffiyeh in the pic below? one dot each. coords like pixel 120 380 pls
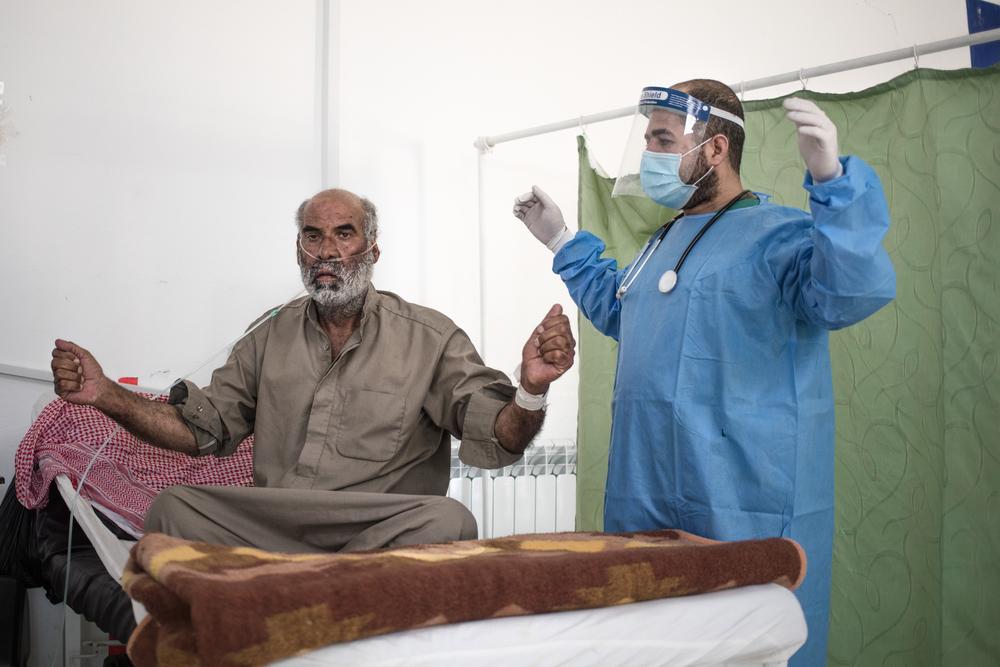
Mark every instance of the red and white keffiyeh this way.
pixel 129 472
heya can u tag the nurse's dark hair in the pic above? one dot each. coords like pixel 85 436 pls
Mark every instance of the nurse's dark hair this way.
pixel 369 224
pixel 719 95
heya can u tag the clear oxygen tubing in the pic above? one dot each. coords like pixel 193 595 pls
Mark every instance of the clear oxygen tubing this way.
pixel 118 427
pixel 336 259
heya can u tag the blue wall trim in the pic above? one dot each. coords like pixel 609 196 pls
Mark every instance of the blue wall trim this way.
pixel 983 16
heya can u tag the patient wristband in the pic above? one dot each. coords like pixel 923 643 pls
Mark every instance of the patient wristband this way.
pixel 532 402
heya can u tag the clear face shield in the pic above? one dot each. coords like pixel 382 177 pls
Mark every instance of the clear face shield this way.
pixel 659 160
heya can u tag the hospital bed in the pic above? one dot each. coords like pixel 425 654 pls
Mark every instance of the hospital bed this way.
pixel 754 625
pixel 742 627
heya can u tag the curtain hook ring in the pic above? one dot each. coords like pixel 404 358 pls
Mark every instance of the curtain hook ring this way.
pixel 916 58
pixel 743 91
pixel 802 79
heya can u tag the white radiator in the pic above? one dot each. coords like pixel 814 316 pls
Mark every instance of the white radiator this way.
pixel 535 495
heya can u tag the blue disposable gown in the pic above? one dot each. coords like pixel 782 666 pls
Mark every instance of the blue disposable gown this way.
pixel 722 415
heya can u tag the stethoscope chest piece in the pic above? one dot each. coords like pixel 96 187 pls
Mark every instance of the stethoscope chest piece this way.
pixel 668 281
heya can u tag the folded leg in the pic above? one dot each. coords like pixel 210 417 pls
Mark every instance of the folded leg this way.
pixel 302 521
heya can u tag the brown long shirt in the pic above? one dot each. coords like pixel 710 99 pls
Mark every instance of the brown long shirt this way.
pixel 378 418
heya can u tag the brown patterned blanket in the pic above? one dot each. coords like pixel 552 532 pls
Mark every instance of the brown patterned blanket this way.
pixel 215 605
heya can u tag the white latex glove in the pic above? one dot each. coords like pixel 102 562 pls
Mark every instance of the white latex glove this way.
pixel 817 139
pixel 542 218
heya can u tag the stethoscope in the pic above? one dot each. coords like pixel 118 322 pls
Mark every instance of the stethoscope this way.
pixel 668 281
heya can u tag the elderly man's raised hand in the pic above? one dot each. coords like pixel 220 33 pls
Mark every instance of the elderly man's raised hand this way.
pixel 77 376
pixel 548 353
pixel 817 138
pixel 542 218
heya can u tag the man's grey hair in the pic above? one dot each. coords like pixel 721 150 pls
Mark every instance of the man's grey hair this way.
pixel 369 223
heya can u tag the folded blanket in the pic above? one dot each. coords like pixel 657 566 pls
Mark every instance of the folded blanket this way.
pixel 216 605
pixel 129 472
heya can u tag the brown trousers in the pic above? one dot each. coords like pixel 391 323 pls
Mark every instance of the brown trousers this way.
pixel 307 521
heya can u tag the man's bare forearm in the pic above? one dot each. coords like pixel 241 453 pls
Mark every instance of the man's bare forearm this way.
pixel 157 423
pixel 515 427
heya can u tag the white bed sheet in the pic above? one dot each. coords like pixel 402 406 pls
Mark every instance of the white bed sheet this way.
pixel 754 625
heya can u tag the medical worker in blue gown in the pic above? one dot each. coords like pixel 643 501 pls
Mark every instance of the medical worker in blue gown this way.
pixel 722 416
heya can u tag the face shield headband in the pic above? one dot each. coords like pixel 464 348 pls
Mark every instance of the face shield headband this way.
pixel 667 121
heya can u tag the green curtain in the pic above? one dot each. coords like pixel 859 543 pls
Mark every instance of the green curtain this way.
pixel 916 571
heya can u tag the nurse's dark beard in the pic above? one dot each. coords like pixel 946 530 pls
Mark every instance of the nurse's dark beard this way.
pixel 707 188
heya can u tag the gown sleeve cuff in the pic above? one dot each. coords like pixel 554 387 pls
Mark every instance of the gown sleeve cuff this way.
pixel 841 191
pixel 578 246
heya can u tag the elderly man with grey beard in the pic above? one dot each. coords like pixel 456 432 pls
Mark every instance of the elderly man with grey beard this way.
pixel 353 396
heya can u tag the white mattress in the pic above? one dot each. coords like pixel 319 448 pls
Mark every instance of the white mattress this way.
pixel 755 625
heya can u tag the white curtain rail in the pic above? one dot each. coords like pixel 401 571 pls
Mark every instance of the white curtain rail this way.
pixel 487 142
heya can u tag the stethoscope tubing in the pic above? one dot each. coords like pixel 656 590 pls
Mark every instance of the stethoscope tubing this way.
pixel 643 257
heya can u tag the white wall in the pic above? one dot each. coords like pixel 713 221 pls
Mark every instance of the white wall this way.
pixel 148 195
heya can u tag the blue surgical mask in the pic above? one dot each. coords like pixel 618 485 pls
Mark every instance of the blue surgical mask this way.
pixel 660 176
